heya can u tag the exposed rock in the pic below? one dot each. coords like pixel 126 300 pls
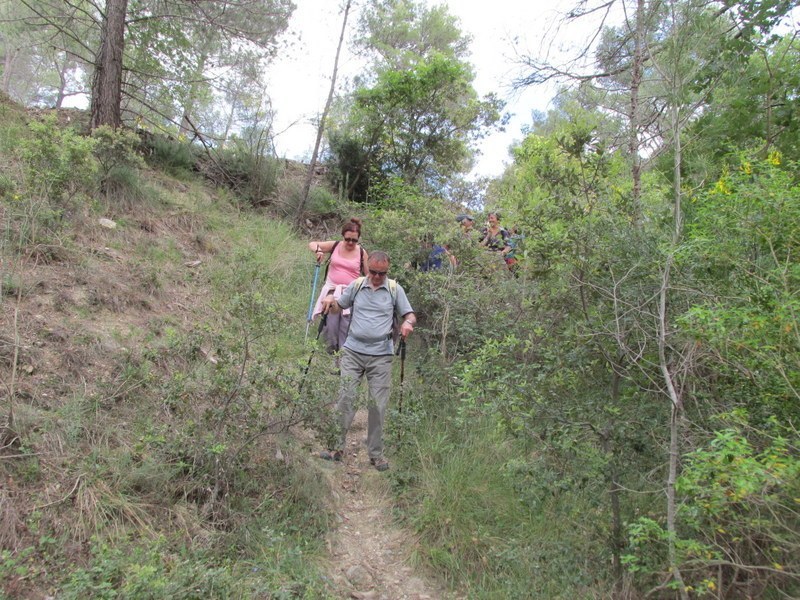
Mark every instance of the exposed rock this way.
pixel 359 577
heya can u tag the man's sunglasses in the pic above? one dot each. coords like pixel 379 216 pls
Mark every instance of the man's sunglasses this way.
pixel 351 240
pixel 377 273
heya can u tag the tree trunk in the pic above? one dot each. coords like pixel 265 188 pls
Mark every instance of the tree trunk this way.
pixel 321 128
pixel 637 69
pixel 674 394
pixel 63 73
pixel 617 542
pixel 674 433
pixel 8 68
pixel 228 125
pixel 187 129
pixel 107 79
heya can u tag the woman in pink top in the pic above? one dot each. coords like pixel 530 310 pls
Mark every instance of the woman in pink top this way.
pixel 347 261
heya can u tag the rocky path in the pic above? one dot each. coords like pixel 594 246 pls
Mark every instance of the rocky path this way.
pixel 370 555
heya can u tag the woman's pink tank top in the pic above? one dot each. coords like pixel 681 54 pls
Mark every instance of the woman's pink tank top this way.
pixel 342 270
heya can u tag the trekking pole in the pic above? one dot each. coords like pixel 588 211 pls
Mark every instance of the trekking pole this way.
pixel 401 350
pixel 311 356
pixel 311 302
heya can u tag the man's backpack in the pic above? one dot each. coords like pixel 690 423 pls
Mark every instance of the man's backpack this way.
pixel 395 333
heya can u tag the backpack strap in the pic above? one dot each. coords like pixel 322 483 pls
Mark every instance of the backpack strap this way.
pixel 359 283
pixel 330 258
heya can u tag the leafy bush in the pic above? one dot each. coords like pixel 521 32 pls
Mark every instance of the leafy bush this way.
pixel 14 126
pixel 117 153
pixel 745 244
pixel 174 156
pixel 252 176
pixel 115 148
pixel 322 203
pixel 59 162
pixel 462 494
pixel 738 513
pixel 141 572
pixel 352 173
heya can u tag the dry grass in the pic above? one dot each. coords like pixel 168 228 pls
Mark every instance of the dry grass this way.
pixel 11 522
pixel 100 509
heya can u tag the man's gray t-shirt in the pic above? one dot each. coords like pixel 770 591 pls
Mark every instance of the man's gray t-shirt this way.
pixel 371 321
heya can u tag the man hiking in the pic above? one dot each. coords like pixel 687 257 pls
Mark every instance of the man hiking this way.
pixel 374 301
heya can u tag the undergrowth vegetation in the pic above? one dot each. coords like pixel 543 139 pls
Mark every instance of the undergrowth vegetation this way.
pixel 157 443
pixel 150 384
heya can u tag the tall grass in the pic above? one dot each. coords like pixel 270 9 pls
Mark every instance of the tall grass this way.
pixel 462 494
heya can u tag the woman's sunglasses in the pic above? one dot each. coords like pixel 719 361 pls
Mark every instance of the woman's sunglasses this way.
pixel 351 240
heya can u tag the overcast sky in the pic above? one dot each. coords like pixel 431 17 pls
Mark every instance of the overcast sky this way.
pixel 299 83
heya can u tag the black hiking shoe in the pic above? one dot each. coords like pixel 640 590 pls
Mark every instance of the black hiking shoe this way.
pixel 381 464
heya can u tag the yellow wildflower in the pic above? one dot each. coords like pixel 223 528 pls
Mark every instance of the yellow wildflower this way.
pixel 722 187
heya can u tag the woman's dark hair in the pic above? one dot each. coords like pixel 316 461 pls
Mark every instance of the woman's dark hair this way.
pixel 353 224
pixel 496 214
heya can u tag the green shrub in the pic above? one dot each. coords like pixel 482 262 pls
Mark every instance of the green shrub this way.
pixel 252 176
pixel 59 162
pixel 462 493
pixel 116 153
pixel 14 126
pixel 174 156
pixel 33 221
pixel 140 572
pixel 322 203
pixel 115 148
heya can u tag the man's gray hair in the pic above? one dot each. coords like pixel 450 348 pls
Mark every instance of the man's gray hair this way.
pixel 379 256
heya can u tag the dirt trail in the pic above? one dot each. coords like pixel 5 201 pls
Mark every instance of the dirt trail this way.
pixel 369 552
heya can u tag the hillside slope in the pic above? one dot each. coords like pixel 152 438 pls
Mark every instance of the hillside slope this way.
pixel 128 460
pixel 154 442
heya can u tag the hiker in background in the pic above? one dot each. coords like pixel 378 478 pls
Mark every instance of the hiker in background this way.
pixel 347 261
pixel 436 257
pixel 493 236
pixel 368 351
pixel 467 223
pixel 511 256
